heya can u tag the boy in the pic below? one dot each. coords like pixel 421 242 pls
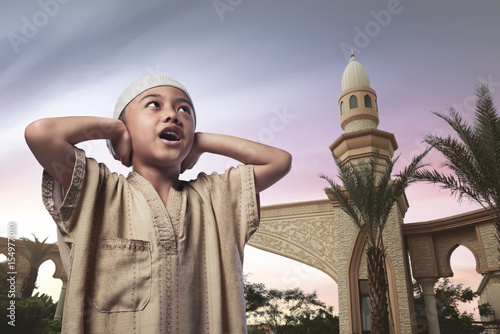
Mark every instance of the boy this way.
pixel 149 253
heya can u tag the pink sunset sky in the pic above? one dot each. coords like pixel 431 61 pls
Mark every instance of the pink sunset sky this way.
pixel 268 71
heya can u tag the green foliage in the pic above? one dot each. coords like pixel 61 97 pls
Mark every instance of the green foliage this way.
pixel 485 310
pixel 32 316
pixel 367 191
pixel 287 311
pixel 4 284
pixel 255 295
pixel 448 297
pixel 473 158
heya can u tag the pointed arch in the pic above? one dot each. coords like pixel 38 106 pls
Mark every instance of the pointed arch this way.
pixel 450 252
pixel 353 102
pixel 368 101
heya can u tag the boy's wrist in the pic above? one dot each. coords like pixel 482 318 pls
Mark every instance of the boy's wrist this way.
pixel 200 142
pixel 113 128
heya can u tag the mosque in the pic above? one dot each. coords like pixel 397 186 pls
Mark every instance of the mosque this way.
pixel 334 245
pixel 319 234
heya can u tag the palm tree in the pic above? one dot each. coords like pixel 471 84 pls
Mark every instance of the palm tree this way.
pixel 367 195
pixel 474 160
pixel 34 252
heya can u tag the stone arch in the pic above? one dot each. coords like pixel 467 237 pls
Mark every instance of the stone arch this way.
pixel 450 253
pixel 282 232
pixel 22 264
pixel 431 243
pixel 353 272
pixel 59 271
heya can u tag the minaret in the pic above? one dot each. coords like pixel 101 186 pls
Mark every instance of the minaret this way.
pixel 361 139
pixel 359 118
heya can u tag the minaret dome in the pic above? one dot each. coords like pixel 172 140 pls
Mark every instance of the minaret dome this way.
pixel 354 75
pixel 358 101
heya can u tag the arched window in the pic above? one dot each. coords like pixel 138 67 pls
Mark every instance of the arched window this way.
pixel 368 101
pixel 353 102
pixel 342 108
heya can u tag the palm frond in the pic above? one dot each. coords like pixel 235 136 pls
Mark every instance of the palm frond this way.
pixel 473 158
pixel 367 191
pixel 35 250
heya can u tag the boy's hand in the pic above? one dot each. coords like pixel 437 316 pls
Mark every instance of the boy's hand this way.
pixel 121 148
pixel 193 155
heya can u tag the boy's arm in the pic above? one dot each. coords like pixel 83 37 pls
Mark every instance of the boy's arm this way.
pixel 270 163
pixel 52 142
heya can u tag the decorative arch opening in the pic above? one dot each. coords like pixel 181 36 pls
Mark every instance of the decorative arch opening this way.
pixel 46 283
pixel 463 264
pixel 454 259
pixel 360 313
pixel 342 108
pixel 353 102
pixel 368 101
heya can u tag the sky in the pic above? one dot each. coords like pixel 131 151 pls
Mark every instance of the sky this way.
pixel 268 71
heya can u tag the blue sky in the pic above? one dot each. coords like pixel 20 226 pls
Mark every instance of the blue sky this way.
pixel 263 70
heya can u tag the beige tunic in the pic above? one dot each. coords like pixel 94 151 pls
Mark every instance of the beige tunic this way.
pixel 135 266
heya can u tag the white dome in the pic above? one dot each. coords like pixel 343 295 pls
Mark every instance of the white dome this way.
pixel 354 75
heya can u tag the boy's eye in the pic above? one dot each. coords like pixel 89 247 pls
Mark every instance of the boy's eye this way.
pixel 153 104
pixel 184 109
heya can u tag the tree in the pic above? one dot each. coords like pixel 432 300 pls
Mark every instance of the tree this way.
pixel 287 311
pixel 448 297
pixel 255 295
pixel 4 284
pixel 35 252
pixel 473 158
pixel 367 195
pixel 33 315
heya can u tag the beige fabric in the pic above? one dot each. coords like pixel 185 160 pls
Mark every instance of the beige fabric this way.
pixel 138 267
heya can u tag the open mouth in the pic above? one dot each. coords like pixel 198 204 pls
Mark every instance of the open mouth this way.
pixel 170 135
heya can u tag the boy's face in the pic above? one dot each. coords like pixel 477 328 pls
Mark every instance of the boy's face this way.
pixel 161 125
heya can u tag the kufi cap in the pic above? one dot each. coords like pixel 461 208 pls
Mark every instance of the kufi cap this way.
pixel 142 85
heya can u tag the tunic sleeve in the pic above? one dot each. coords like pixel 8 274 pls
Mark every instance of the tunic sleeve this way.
pixel 74 207
pixel 235 203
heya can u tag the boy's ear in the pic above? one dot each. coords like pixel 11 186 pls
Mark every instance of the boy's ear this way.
pixel 122 116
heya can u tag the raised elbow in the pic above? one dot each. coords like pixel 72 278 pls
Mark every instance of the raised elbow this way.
pixel 37 132
pixel 287 162
pixel 283 163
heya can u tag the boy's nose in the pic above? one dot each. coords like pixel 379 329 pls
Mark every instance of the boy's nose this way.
pixel 171 116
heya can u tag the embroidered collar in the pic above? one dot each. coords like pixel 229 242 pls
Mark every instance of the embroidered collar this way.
pixel 166 219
